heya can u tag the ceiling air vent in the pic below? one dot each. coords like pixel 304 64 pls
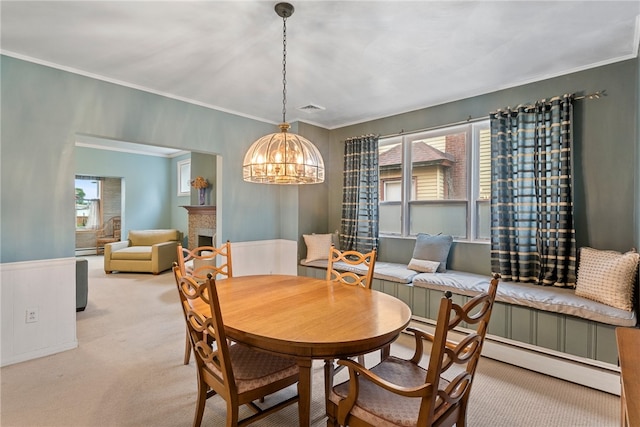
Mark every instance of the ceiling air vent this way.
pixel 311 108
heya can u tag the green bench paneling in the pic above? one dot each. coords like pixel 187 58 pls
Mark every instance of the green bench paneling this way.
pixel 555 331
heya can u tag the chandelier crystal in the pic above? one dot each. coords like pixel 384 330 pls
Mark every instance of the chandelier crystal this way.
pixel 283 157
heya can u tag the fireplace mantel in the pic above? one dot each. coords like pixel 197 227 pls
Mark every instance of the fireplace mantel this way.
pixel 201 209
pixel 202 224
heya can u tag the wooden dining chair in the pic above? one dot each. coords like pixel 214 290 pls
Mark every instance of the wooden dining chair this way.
pixel 364 264
pixel 400 392
pixel 237 373
pixel 199 263
pixel 109 233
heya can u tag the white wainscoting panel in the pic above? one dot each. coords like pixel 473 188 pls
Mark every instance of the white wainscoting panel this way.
pixel 49 286
pixel 277 256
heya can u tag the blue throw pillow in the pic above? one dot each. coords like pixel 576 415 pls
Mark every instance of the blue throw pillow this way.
pixel 433 248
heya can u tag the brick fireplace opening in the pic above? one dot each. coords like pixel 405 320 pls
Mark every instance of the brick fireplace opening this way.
pixel 202 225
pixel 205 240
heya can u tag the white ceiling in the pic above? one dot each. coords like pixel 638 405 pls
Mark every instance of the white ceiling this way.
pixel 359 60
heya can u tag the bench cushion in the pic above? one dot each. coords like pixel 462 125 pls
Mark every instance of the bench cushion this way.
pixel 389 271
pixel 547 298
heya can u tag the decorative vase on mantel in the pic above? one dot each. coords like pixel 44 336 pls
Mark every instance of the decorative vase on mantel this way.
pixel 201 184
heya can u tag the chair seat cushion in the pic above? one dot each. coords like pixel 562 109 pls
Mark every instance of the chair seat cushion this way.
pixel 383 408
pixel 142 253
pixel 253 369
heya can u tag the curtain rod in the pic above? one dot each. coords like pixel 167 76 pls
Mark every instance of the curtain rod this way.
pixel 594 95
pixel 462 122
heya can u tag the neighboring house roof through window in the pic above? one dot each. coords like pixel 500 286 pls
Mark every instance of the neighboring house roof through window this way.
pixel 422 154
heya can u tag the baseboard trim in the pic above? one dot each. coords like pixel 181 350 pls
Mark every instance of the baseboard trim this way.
pixel 23 357
pixel 590 373
pixel 82 252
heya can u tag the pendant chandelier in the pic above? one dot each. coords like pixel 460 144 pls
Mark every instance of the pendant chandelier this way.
pixel 283 157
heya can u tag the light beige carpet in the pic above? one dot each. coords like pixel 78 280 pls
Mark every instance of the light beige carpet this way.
pixel 128 371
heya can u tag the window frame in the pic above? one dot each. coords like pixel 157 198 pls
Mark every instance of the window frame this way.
pixel 99 190
pixel 472 201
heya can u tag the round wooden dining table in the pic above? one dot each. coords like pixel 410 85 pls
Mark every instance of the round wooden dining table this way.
pixel 308 318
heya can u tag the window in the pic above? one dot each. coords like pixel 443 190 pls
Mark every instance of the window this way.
pixel 437 181
pixel 87 203
pixel 184 177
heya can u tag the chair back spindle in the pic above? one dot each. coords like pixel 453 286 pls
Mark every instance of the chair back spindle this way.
pixel 201 261
pixel 354 268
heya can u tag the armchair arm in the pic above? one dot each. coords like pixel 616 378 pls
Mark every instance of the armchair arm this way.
pixel 109 248
pixel 112 247
pixel 355 371
pixel 163 255
pixel 420 335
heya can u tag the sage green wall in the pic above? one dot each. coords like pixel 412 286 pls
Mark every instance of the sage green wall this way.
pixel 150 184
pixel 179 215
pixel 204 165
pixel 146 184
pixel 637 169
pixel 313 214
pixel 43 108
pixel 605 150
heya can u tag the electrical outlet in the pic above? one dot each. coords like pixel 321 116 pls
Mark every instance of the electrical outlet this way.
pixel 32 315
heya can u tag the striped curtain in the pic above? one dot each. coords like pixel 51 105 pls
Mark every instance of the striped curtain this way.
pixel 359 225
pixel 532 231
pixel 93 219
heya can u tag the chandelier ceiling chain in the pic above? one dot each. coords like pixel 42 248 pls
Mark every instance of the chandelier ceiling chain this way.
pixel 284 69
pixel 283 157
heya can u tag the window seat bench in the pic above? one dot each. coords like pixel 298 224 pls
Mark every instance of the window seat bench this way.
pixel 544 298
pixel 542 319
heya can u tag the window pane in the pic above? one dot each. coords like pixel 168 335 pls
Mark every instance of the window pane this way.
pixel 445 218
pixel 392 191
pixel 484 220
pixel 87 190
pixel 390 167
pixel 389 219
pixel 439 167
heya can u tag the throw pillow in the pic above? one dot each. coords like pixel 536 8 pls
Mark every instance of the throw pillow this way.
pixel 423 266
pixel 318 246
pixel 607 277
pixel 433 248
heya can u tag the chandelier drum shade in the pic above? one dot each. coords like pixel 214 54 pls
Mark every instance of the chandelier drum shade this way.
pixel 283 157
